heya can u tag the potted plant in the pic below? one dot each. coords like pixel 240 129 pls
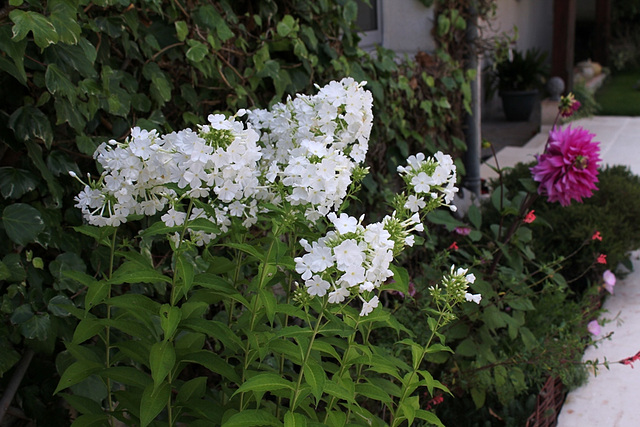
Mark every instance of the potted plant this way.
pixel 518 77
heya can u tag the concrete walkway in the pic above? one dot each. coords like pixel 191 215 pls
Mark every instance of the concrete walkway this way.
pixel 611 396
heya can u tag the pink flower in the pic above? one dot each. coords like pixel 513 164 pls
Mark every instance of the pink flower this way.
pixel 463 231
pixel 531 216
pixel 568 105
pixel 629 360
pixel 594 328
pixel 596 236
pixel 602 259
pixel 609 281
pixel 453 246
pixel 568 169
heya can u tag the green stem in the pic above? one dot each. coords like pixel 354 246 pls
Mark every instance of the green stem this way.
pixel 108 328
pixel 343 368
pixel 254 314
pixel 397 420
pixel 295 394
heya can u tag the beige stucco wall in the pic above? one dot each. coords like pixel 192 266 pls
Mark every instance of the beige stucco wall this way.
pixel 406 26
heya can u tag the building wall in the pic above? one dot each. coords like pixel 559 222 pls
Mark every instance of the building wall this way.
pixel 406 26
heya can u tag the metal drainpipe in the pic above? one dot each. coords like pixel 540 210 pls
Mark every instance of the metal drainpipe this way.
pixel 473 120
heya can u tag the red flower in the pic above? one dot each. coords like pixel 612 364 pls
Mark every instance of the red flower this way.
pixel 531 216
pixel 568 169
pixel 629 360
pixel 602 259
pixel 596 236
pixel 453 247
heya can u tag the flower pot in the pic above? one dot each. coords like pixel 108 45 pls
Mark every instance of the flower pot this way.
pixel 518 105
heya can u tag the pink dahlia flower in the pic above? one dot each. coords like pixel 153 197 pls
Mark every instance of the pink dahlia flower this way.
pixel 568 169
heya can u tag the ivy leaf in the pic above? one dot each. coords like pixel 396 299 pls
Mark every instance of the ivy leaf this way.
pixel 181 30
pixel 22 223
pixel 197 51
pixel 44 32
pixel 30 123
pixel 58 82
pixel 14 183
pixel 286 26
pixel 15 50
pixel 63 17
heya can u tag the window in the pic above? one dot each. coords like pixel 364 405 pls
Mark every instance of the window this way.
pixel 369 21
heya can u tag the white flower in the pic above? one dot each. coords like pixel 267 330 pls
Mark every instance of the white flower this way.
pixel 338 295
pixel 368 306
pixel 317 286
pixel 344 224
pixel 421 183
pixel 173 218
pixel 414 204
pixel 473 297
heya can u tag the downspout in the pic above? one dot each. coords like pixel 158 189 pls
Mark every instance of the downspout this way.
pixel 473 120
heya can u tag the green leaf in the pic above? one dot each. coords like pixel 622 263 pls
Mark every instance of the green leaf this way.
pixel 214 363
pixel 315 376
pixel 77 372
pixel 181 30
pixel 197 51
pixel 192 389
pixel 475 216
pixel 14 183
pixel 286 26
pixel 128 376
pixel 444 217
pixel 15 50
pixel 373 392
pixel 292 419
pixel 251 417
pixel 162 359
pixel 29 123
pixel 153 402
pixel 210 18
pixel 22 223
pixel 44 32
pixel 86 329
pixel 169 320
pixel 35 154
pixel 96 294
pixel 265 381
pixel 214 329
pixel 57 305
pixel 133 272
pixel 64 19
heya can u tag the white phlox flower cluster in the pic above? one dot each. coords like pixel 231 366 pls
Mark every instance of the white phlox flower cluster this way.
pixel 353 259
pixel 219 163
pixel 312 144
pixel 431 177
pixel 309 147
pixel 454 287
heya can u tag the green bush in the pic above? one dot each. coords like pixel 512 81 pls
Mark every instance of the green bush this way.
pixel 566 228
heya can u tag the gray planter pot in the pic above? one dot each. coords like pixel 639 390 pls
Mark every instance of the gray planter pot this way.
pixel 518 105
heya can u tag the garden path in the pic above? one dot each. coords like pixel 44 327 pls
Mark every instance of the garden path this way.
pixel 610 397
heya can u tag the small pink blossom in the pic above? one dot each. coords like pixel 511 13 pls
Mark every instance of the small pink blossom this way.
pixel 568 169
pixel 568 105
pixel 453 247
pixel 463 231
pixel 594 327
pixel 596 236
pixel 602 259
pixel 609 281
